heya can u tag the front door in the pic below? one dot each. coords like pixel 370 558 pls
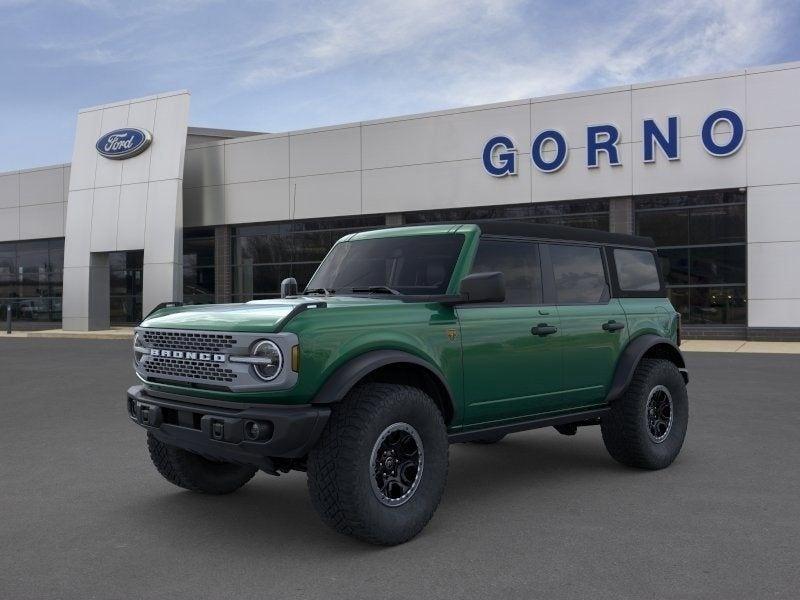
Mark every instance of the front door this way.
pixel 593 325
pixel 511 350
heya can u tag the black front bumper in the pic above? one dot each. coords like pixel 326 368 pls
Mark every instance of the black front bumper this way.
pixel 225 433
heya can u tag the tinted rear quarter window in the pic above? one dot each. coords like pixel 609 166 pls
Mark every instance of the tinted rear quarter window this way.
pixel 636 270
pixel 580 277
pixel 519 264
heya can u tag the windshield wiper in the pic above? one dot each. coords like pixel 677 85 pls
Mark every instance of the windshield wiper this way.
pixel 376 289
pixel 321 290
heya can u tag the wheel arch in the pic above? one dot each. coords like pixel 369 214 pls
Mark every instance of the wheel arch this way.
pixel 389 366
pixel 644 346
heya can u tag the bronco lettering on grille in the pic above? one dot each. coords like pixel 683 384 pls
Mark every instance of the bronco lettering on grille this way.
pixel 204 356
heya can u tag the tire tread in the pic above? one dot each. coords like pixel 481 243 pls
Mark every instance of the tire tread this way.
pixel 334 485
pixel 194 473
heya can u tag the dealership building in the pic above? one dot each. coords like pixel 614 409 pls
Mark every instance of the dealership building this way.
pixel 151 210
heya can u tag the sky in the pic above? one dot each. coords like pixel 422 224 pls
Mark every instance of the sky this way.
pixel 283 65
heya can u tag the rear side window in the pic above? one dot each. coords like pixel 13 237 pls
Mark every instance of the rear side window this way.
pixel 519 264
pixel 580 277
pixel 636 270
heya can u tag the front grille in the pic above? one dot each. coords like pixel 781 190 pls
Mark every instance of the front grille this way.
pixel 189 340
pixel 192 369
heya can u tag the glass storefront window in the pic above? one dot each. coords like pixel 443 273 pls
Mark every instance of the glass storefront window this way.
pixel 263 255
pixel 592 214
pixel 30 279
pixel 199 271
pixel 718 305
pixel 701 239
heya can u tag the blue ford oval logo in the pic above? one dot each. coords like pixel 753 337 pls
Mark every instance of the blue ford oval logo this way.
pixel 124 143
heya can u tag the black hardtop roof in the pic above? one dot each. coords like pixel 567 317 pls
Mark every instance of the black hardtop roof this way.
pixel 558 232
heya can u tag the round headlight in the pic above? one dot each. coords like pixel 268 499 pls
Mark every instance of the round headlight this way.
pixel 272 360
pixel 137 343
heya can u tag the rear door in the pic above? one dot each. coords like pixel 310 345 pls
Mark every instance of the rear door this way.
pixel 511 350
pixel 593 325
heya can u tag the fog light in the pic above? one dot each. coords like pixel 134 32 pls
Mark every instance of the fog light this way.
pixel 256 431
pixel 252 430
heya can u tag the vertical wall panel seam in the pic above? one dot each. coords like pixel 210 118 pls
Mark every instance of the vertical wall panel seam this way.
pixel 225 146
pixel 747 204
pixel 633 137
pixel 94 185
pixel 530 137
pixel 361 164
pixel 119 191
pixel 147 198
pixel 19 206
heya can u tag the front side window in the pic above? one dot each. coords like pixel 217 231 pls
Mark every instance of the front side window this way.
pixel 636 270
pixel 579 274
pixel 519 264
pixel 409 265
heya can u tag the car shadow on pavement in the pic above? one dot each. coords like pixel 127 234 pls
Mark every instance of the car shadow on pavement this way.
pixel 481 479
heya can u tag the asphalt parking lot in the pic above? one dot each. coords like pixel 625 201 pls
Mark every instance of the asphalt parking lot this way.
pixel 83 514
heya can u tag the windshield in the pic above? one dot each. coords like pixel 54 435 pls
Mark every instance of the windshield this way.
pixel 409 265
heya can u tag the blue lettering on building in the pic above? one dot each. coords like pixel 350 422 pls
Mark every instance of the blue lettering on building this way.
pixel 506 161
pixel 539 160
pixel 737 135
pixel 669 144
pixel 602 138
pixel 500 152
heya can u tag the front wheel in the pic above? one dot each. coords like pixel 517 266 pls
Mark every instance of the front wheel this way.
pixel 645 428
pixel 379 469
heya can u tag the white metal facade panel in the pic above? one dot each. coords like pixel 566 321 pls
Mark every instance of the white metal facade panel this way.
pixel 571 115
pixel 257 160
pixel 120 205
pixel 342 192
pixel 442 138
pixel 326 151
pixel 32 203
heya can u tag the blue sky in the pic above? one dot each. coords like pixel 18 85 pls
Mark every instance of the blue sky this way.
pixel 281 65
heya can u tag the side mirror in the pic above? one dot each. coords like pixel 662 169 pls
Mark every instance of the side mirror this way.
pixel 288 287
pixel 483 287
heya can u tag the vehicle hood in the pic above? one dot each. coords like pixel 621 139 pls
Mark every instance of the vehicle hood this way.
pixel 259 316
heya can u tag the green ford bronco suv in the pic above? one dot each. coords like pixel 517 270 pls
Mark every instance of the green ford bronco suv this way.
pixel 404 341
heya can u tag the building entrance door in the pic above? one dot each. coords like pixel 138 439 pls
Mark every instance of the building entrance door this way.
pixel 126 286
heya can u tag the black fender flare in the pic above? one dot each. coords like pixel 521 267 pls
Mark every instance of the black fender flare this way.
pixel 350 373
pixel 632 355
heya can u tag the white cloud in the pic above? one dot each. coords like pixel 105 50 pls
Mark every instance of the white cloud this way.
pixel 364 31
pixel 679 39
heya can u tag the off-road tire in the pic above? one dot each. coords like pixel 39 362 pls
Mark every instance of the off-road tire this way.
pixel 488 439
pixel 193 472
pixel 625 426
pixel 339 470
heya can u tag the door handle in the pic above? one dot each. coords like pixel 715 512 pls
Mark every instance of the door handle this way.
pixel 612 326
pixel 543 329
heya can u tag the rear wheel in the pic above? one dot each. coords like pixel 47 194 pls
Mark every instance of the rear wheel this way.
pixel 646 427
pixel 193 472
pixel 379 469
